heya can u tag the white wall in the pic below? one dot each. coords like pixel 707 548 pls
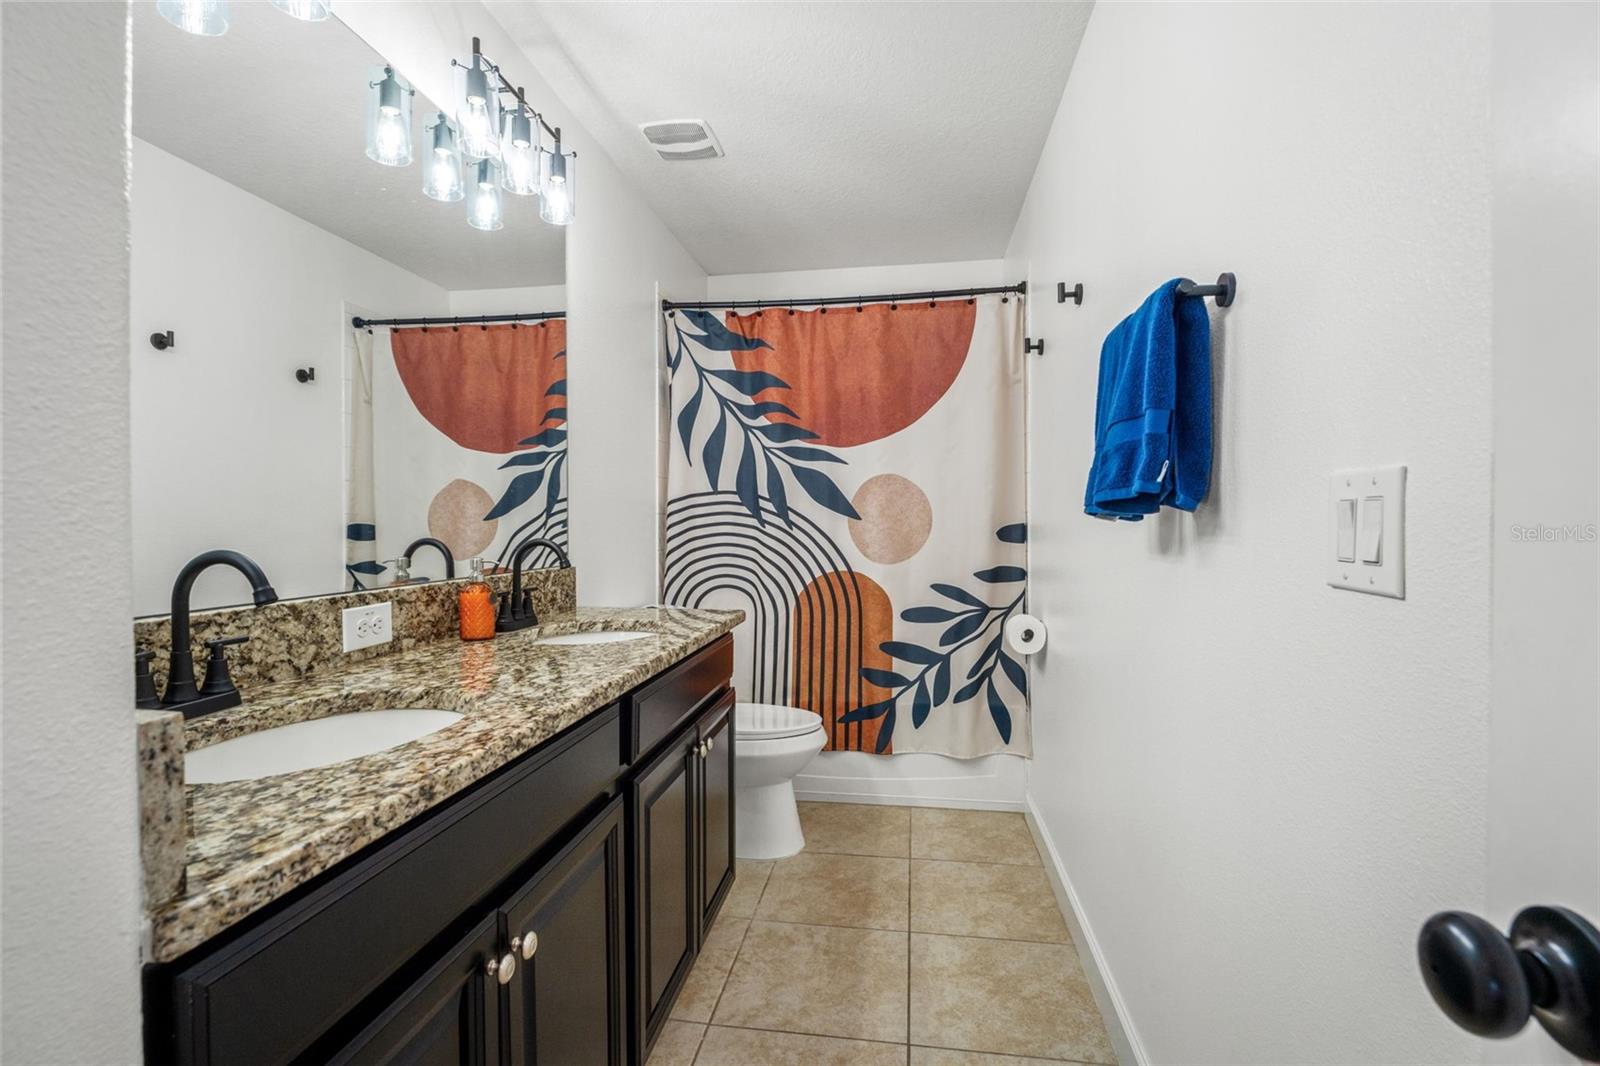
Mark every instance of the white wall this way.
pixel 508 301
pixel 1260 786
pixel 1544 811
pixel 229 450
pixel 618 253
pixel 994 781
pixel 70 914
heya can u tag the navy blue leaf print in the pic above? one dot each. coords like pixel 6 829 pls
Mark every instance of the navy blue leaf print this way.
pixel 1014 670
pixel 775 490
pixel 686 418
pixel 820 487
pixel 883 678
pixel 911 653
pixel 809 455
pixel 963 627
pixel 366 566
pixel 764 408
pixel 713 451
pixel 521 489
pixel 783 432
pixel 927 614
pixel 717 336
pixel 960 595
pixel 983 660
pixel 528 459
pixel 553 495
pixel 555 414
pixel 885 732
pixel 941 681
pixel 970 689
pixel 866 713
pixel 1001 716
pixel 559 388
pixel 920 705
pixel 750 382
pixel 549 438
pixel 744 482
pixel 1016 533
pixel 1000 574
pixel 361 531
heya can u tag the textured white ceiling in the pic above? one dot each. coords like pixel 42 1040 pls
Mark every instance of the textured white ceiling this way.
pixel 276 107
pixel 857 134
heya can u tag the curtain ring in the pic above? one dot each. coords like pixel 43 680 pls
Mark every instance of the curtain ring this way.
pixel 791 311
pixel 1005 299
pixel 455 329
pixel 824 310
pixel 894 307
pixel 932 304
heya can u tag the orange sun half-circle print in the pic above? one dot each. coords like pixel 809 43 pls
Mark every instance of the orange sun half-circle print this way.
pixel 484 388
pixel 835 615
pixel 856 376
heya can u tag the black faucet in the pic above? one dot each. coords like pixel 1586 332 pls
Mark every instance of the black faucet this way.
pixel 449 560
pixel 218 692
pixel 516 611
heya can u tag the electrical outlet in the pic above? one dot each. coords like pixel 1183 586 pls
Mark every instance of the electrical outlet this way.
pixel 366 626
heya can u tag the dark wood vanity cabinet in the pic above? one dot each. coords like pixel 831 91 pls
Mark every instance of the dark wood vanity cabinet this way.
pixel 546 915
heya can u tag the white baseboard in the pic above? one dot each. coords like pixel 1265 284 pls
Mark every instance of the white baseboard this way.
pixel 915 779
pixel 1113 1011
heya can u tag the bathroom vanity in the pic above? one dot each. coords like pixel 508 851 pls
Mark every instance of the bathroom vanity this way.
pixel 531 884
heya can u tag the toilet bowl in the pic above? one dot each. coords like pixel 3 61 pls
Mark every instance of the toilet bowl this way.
pixel 771 745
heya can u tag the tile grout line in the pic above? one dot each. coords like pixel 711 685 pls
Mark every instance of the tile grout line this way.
pixel 1068 943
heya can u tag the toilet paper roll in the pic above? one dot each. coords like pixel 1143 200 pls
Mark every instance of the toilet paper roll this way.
pixel 1025 634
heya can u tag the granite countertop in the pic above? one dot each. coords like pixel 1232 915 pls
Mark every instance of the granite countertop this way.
pixel 250 842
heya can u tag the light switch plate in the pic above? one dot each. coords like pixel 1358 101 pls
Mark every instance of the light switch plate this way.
pixel 1378 490
pixel 366 626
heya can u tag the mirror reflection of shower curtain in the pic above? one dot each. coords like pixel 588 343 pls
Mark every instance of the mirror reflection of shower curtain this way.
pixel 854 480
pixel 360 508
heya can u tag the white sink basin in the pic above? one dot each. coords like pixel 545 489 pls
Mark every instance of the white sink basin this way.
pixel 597 636
pixel 305 745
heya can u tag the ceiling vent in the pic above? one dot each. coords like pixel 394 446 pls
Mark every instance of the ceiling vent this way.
pixel 681 139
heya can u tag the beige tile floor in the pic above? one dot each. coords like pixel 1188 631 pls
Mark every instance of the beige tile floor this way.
pixel 901 936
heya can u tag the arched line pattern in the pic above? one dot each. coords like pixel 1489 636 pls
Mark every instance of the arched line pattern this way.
pixel 551 524
pixel 713 543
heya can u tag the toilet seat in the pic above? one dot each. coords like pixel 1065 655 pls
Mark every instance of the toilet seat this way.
pixel 772 721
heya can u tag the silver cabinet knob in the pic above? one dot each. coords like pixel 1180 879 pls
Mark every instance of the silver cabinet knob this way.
pixel 711 745
pixel 503 970
pixel 526 944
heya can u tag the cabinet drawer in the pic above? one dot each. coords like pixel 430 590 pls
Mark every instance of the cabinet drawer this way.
pixel 656 710
pixel 267 995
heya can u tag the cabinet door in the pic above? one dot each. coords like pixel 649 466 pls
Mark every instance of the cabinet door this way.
pixel 565 926
pixel 666 913
pixel 716 807
pixel 448 1017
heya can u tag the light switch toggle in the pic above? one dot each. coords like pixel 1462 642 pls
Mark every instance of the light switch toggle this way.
pixel 1372 530
pixel 1345 511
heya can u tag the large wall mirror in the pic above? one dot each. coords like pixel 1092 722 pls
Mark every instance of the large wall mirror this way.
pixel 273 423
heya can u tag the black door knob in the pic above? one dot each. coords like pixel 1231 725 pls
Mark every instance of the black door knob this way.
pixel 1489 984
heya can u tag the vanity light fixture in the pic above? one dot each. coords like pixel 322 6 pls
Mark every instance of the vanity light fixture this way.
pixel 441 170
pixel 477 110
pixel 389 119
pixel 484 206
pixel 519 149
pixel 556 189
pixel 305 10
pixel 206 18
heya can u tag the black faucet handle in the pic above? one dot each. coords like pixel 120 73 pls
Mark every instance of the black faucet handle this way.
pixel 144 685
pixel 218 680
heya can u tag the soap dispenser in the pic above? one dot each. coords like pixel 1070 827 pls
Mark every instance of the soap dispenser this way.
pixel 476 603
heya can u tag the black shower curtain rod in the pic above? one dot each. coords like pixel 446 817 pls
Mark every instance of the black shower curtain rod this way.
pixel 1020 289
pixel 463 320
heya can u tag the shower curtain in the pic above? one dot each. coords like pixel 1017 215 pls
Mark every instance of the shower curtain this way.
pixel 467 432
pixel 853 478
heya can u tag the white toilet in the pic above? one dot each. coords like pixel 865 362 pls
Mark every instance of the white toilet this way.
pixel 771 745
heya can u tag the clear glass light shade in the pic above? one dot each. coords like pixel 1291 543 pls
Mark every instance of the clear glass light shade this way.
pixel 557 189
pixel 519 153
pixel 477 113
pixel 441 169
pixel 388 119
pixel 485 209
pixel 208 18
pixel 305 10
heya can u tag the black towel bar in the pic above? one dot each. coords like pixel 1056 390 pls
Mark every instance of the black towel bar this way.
pixel 1224 290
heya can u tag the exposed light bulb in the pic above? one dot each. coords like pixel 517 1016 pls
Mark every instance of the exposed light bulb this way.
pixel 207 18
pixel 478 115
pixel 389 120
pixel 305 10
pixel 519 154
pixel 556 199
pixel 483 198
pixel 441 172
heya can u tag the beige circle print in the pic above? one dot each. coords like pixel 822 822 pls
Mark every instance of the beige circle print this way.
pixel 895 521
pixel 456 517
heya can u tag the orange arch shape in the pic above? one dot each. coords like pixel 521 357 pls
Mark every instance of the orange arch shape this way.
pixel 830 647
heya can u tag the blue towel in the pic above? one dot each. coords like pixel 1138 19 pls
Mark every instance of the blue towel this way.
pixel 1152 420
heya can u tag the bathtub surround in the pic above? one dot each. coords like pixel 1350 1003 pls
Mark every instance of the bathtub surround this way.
pixel 251 842
pixel 291 639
